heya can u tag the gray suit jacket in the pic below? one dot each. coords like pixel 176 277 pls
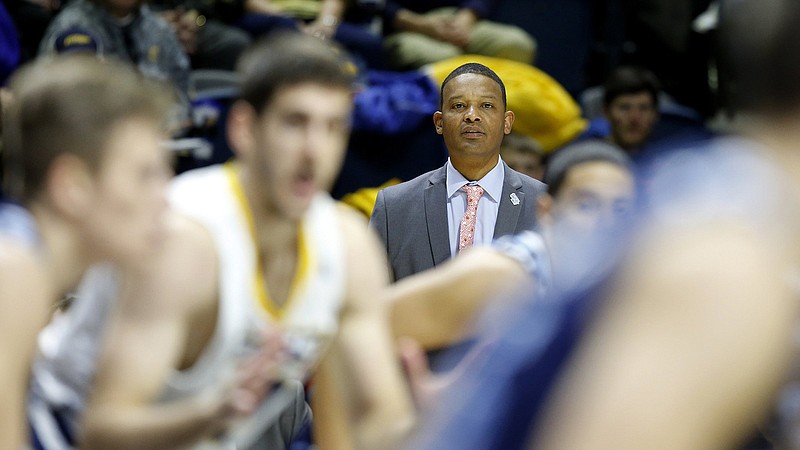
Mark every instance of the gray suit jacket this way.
pixel 411 218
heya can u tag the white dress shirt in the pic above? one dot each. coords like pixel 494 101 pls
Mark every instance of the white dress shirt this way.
pixel 492 184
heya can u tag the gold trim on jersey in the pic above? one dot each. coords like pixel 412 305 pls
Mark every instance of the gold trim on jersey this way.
pixel 304 254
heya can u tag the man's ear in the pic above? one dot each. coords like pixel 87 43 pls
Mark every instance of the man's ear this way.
pixel 509 122
pixel 241 120
pixel 544 204
pixel 69 186
pixel 437 121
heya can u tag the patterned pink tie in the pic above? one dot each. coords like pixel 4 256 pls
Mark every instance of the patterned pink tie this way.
pixel 467 233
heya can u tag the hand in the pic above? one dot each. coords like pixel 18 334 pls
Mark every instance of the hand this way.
pixel 454 30
pixel 251 382
pixel 184 24
pixel 321 30
pixel 460 27
pixel 426 387
pixel 436 27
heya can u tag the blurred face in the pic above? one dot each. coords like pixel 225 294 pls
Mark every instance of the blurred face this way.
pixel 473 119
pixel 524 162
pixel 126 217
pixel 632 117
pixel 594 196
pixel 299 142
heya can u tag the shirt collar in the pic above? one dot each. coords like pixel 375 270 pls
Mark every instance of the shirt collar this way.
pixel 492 182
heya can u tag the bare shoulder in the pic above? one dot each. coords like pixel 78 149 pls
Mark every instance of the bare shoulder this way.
pixel 19 269
pixel 26 296
pixel 367 267
pixel 15 259
pixel 355 227
pixel 182 270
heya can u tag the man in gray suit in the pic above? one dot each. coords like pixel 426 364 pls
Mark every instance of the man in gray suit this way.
pixel 475 197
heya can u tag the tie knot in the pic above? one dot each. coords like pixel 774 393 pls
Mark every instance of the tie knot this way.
pixel 473 191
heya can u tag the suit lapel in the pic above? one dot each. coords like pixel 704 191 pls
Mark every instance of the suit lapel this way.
pixel 508 212
pixel 436 216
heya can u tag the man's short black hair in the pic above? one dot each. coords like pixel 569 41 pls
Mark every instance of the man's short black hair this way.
pixel 626 80
pixel 477 68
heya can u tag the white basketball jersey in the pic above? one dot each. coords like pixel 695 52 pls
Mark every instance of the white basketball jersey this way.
pixel 214 197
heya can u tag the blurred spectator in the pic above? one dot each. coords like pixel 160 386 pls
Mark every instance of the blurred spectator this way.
pixel 524 155
pixel 328 19
pixel 127 30
pixel 209 42
pixel 630 104
pixel 421 32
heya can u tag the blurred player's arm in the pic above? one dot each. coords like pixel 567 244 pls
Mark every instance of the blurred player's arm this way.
pixel 437 307
pixel 147 341
pixel 24 304
pixel 362 370
pixel 689 351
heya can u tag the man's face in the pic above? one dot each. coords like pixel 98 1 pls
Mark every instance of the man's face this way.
pixel 473 119
pixel 300 139
pixel 632 117
pixel 126 219
pixel 593 197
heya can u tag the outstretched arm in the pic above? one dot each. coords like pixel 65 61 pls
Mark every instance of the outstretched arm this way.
pixel 437 307
pixel 362 370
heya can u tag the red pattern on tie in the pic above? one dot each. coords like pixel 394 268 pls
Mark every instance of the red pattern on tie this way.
pixel 467 233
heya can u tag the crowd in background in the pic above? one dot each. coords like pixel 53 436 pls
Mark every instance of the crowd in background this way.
pixel 585 149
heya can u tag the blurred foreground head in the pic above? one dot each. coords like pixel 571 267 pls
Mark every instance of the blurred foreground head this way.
pixel 71 105
pixel 288 59
pixel 84 147
pixel 290 127
pixel 590 187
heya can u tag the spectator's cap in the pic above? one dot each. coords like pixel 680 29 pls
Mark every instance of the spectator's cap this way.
pixel 578 153
pixel 76 40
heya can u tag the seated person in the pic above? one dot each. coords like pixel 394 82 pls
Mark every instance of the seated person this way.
pixel 630 109
pixel 128 31
pixel 209 42
pixel 523 154
pixel 422 32
pixel 324 19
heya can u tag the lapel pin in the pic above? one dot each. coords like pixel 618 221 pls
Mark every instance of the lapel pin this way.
pixel 514 199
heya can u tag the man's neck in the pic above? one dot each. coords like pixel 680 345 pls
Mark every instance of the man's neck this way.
pixel 473 169
pixel 273 233
pixel 65 263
